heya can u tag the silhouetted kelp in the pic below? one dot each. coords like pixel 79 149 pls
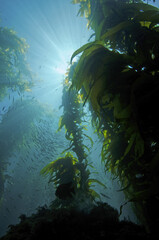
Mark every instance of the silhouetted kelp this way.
pixel 101 223
pixel 119 75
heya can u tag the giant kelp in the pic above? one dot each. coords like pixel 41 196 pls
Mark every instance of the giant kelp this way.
pixel 118 74
pixel 14 70
pixel 22 119
pixel 70 173
pixel 15 76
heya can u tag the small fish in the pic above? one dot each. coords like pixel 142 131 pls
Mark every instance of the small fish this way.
pixel 20 196
pixel 11 183
pixel 7 209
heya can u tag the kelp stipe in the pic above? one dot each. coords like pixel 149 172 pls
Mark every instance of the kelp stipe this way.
pixel 70 174
pixel 119 74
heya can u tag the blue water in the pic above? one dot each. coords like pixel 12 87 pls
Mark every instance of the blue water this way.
pixel 53 32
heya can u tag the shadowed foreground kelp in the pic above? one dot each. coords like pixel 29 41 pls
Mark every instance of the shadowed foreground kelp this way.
pixel 118 75
pixel 101 223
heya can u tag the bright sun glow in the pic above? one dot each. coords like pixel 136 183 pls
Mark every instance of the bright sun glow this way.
pixel 60 69
pixel 61 66
pixel 53 31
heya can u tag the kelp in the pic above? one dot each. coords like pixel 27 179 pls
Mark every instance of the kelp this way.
pixel 118 74
pixel 61 166
pixel 70 173
pixel 15 73
pixel 15 76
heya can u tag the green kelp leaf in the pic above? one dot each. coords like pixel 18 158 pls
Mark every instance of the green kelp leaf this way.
pixel 92 180
pixel 61 123
pixel 88 149
pixel 81 49
pixel 89 67
pixel 130 144
pixel 57 164
pixel 99 29
pixel 94 194
pixel 84 47
pixel 47 169
pixel 120 27
pixel 139 145
pixel 89 139
pixel 64 151
pixel 75 1
pixel 90 165
pixel 69 136
pixel 95 71
pixel 148 16
pixel 81 11
pixel 70 155
pixel 105 150
pixel 81 73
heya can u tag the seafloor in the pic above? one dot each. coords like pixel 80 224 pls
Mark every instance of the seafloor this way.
pixel 102 222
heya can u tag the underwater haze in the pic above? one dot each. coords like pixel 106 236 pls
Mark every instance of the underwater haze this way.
pixel 37 40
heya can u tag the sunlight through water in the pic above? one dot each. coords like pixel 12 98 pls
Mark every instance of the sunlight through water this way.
pixel 53 32
pixel 41 121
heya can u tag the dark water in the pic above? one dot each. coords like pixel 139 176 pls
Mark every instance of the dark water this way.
pixel 29 119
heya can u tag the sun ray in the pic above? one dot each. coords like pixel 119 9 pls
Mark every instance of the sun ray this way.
pixel 53 31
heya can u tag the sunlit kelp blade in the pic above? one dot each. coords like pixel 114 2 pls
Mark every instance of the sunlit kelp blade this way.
pixel 95 71
pixel 62 170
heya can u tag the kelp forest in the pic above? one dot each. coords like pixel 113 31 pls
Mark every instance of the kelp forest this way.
pixel 111 87
pixel 123 100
